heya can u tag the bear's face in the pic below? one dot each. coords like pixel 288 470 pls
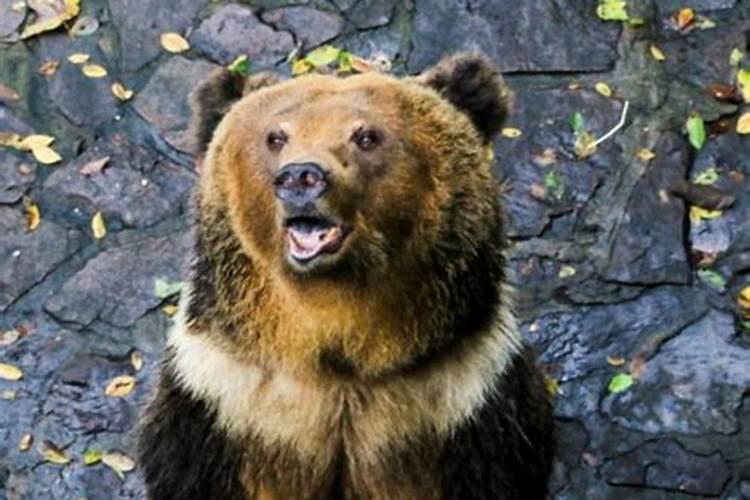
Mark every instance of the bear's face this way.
pixel 359 176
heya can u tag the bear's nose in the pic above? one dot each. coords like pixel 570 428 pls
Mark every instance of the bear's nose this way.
pixel 300 183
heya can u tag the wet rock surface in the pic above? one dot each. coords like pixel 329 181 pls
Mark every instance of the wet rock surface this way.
pixel 609 267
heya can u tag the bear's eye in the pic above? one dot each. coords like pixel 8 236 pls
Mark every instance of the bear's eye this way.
pixel 276 141
pixel 366 139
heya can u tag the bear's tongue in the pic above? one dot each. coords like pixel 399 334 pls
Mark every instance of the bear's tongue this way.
pixel 307 242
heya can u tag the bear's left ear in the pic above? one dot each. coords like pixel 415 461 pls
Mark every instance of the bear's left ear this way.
pixel 473 84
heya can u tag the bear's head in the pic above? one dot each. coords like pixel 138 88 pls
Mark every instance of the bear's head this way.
pixel 368 194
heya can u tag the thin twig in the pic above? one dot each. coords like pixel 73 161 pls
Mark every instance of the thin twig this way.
pixel 617 127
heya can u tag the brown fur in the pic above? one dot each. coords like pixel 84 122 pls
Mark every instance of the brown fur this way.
pixel 350 377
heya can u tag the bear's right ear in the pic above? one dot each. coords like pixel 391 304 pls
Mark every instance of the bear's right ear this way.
pixel 214 96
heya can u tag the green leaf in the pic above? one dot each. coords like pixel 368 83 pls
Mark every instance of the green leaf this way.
pixel 323 56
pixel 696 130
pixel 712 278
pixel 92 457
pixel 240 66
pixel 708 177
pixel 576 122
pixel 743 78
pixel 612 10
pixel 345 61
pixel 553 184
pixel 745 325
pixel 164 289
pixel 620 383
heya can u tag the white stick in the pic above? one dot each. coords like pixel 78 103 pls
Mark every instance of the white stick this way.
pixel 617 127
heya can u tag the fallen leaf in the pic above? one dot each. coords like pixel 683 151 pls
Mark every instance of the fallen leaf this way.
pixel 94 166
pixel 48 68
pixel 577 122
pixel 301 67
pixel 657 53
pixel 743 123
pixel 9 336
pixel 92 457
pixel 707 177
pixel 553 184
pixel 685 17
pixel 240 66
pixel 136 360
pixel 25 442
pixel 743 80
pixel 712 278
pixel 704 23
pixel 118 462
pixel 84 26
pixel 511 133
pixel 164 289
pixel 46 155
pixel 50 14
pixel 615 361
pixel 170 310
pixel 8 94
pixel 53 454
pixel 78 58
pixel 7 395
pixel 97 226
pixel 553 386
pixel 743 299
pixel 585 145
pixel 620 383
pixel 590 460
pixel 723 92
pixel 361 65
pixel 603 89
pixel 33 216
pixel 736 57
pixel 698 214
pixel 94 71
pixel 612 10
pixel 10 140
pixel 35 141
pixel 174 43
pixel 120 386
pixel 538 191
pixel 323 56
pixel 645 154
pixel 121 93
pixel 10 372
pixel 566 272
pixel 696 130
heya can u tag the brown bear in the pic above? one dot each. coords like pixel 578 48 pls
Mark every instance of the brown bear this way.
pixel 347 332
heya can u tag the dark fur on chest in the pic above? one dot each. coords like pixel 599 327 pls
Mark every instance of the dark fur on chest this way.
pixel 505 451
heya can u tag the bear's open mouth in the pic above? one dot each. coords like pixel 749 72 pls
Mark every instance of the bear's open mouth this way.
pixel 310 237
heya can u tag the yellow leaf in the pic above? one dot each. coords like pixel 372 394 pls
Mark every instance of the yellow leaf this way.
pixel 136 360
pixel 169 309
pixel 615 360
pixel 553 386
pixel 25 443
pixel 46 155
pixel 50 15
pixel 174 43
pixel 119 387
pixel 78 58
pixel 10 140
pixel 566 272
pixel 302 66
pixel 743 299
pixel 511 133
pixel 645 154
pixel 585 145
pixel 119 91
pixel 743 79
pixel 54 454
pixel 657 54
pixel 603 89
pixel 48 68
pixel 97 226
pixel 685 17
pixel 697 214
pixel 33 216
pixel 118 462
pixel 743 123
pixel 94 71
pixel 35 141
pixel 10 372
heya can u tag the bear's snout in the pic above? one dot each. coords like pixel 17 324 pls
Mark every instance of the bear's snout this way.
pixel 300 184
